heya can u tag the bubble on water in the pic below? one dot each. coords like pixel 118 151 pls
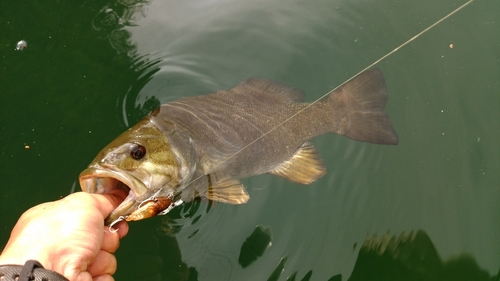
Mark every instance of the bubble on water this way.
pixel 21 45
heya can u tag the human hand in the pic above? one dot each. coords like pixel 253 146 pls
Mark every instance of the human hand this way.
pixel 68 236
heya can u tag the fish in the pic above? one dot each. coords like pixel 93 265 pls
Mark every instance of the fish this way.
pixel 202 146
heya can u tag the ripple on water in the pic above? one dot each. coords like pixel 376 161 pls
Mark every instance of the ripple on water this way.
pixel 183 49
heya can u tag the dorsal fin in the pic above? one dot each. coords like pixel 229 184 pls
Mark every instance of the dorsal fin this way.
pixel 304 167
pixel 274 89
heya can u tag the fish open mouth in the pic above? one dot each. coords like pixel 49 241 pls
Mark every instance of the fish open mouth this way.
pixel 103 180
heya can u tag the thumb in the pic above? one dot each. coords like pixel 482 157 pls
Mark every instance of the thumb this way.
pixel 108 202
pixel 115 197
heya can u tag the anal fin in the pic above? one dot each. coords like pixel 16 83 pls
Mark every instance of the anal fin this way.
pixel 228 190
pixel 304 167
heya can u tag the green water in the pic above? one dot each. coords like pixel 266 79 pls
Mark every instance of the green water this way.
pixel 91 69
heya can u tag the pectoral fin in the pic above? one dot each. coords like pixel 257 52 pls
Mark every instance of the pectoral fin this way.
pixel 228 191
pixel 304 167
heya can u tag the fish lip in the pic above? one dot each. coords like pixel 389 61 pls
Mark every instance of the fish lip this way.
pixel 89 182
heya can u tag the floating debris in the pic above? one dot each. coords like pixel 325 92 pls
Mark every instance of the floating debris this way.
pixel 21 45
pixel 451 46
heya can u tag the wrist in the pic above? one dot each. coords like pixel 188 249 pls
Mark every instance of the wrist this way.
pixel 30 270
pixel 16 254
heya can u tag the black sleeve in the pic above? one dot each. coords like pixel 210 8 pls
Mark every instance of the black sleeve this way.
pixel 31 271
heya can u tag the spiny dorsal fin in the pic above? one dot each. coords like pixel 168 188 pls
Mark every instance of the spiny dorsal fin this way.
pixel 274 89
pixel 304 167
pixel 230 191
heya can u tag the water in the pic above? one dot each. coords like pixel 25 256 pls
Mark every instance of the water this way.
pixel 90 70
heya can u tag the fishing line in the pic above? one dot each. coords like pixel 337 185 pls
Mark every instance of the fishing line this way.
pixel 325 95
pixel 177 192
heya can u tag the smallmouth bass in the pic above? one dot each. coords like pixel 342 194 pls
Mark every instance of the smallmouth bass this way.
pixel 202 145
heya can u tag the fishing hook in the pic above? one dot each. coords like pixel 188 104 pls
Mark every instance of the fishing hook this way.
pixel 119 219
pixel 152 198
pixel 169 208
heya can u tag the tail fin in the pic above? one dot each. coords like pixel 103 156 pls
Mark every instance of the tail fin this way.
pixel 361 103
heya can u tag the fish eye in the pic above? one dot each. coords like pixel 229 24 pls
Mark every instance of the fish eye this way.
pixel 138 152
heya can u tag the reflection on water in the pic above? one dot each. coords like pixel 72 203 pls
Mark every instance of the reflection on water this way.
pixel 410 256
pixel 110 23
pixel 404 257
pixel 112 19
pixel 255 245
pixel 152 252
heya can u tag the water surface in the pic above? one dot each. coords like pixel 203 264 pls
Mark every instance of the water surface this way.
pixel 90 70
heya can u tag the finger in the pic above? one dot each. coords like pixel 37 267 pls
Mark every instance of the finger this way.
pixel 110 241
pixel 109 201
pixel 104 263
pixel 105 277
pixel 81 276
pixel 116 196
pixel 122 228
